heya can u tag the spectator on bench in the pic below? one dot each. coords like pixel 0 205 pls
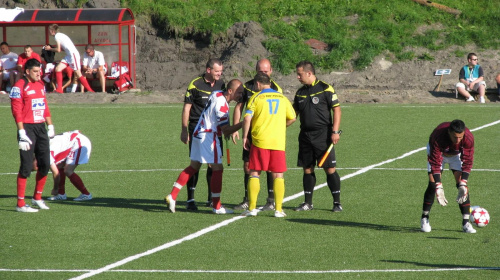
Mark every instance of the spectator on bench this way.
pixel 8 65
pixel 471 77
pixel 25 56
pixel 93 65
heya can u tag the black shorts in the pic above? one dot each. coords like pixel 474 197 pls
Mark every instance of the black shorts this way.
pixel 245 155
pixel 40 148
pixel 312 147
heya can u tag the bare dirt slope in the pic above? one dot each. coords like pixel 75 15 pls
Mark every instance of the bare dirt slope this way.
pixel 166 65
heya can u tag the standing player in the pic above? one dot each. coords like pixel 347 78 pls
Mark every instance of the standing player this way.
pixel 314 102
pixel 31 111
pixel 250 89
pixel 196 98
pixel 72 58
pixel 214 121
pixel 452 143
pixel 67 151
pixel 269 113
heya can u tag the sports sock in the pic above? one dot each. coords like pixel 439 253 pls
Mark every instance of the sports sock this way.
pixel 78 183
pixel 209 181
pixel 40 184
pixel 216 188
pixel 59 81
pixel 333 181
pixel 253 192
pixel 498 88
pixel 309 181
pixel 425 214
pixel 182 180
pixel 191 186
pixel 62 182
pixel 21 189
pixel 430 194
pixel 279 193
pixel 247 176
pixel 270 182
pixel 73 87
pixel 85 84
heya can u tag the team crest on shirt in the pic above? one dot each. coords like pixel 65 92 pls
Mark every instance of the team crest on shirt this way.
pixel 15 92
pixel 315 100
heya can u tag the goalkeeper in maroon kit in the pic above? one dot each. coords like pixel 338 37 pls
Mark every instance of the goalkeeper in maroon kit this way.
pixel 31 112
pixel 450 143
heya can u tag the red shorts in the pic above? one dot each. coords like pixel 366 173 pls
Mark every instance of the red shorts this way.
pixel 267 160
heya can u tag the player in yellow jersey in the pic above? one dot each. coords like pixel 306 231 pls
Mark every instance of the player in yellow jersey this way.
pixel 269 113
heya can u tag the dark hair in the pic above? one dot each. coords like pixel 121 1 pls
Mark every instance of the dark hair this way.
pixel 27 47
pixel 262 79
pixel 306 66
pixel 211 62
pixel 89 46
pixel 4 43
pixel 32 63
pixel 470 55
pixel 457 126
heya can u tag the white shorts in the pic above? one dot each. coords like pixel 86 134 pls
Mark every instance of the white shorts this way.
pixel 6 74
pixel 80 152
pixel 454 162
pixel 72 60
pixel 476 86
pixel 205 148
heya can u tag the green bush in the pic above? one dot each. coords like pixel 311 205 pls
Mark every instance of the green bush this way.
pixel 356 31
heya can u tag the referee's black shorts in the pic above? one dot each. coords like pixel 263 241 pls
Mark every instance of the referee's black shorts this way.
pixel 40 149
pixel 312 147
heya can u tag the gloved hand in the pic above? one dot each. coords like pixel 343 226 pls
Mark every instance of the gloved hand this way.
pixel 440 194
pixel 463 192
pixel 51 132
pixel 24 140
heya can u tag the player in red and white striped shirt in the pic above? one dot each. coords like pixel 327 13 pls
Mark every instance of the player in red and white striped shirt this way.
pixel 67 151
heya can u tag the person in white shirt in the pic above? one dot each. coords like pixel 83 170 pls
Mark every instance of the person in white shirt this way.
pixel 8 66
pixel 94 66
pixel 72 58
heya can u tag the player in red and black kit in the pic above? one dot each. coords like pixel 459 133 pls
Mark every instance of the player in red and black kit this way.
pixel 451 143
pixel 31 112
pixel 314 102
pixel 249 89
pixel 196 97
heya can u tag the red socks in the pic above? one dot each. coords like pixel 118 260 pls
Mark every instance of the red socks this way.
pixel 182 180
pixel 78 183
pixel 40 184
pixel 216 188
pixel 21 189
pixel 59 81
pixel 85 84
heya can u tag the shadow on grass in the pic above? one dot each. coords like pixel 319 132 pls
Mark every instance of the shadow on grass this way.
pixel 360 225
pixel 444 266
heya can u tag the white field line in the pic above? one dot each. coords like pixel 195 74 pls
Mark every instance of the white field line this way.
pixel 231 220
pixel 259 271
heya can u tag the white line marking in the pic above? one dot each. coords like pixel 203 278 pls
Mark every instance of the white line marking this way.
pixel 260 271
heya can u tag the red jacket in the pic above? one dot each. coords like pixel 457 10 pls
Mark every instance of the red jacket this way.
pixel 440 142
pixel 28 102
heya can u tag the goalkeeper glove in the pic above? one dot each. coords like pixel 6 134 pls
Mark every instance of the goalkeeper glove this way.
pixel 463 192
pixel 51 131
pixel 24 140
pixel 440 194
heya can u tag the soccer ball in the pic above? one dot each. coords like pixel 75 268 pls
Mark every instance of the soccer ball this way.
pixel 480 216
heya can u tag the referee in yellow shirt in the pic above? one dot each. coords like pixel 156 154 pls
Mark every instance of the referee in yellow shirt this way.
pixel 269 113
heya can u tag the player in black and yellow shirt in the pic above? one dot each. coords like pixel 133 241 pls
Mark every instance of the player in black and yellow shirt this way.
pixel 314 103
pixel 196 97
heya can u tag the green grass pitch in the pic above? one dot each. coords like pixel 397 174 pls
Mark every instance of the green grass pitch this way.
pixel 126 232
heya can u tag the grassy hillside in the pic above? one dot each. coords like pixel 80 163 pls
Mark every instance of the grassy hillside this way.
pixel 355 30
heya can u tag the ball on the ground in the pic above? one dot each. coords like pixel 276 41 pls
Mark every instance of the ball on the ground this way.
pixel 480 216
